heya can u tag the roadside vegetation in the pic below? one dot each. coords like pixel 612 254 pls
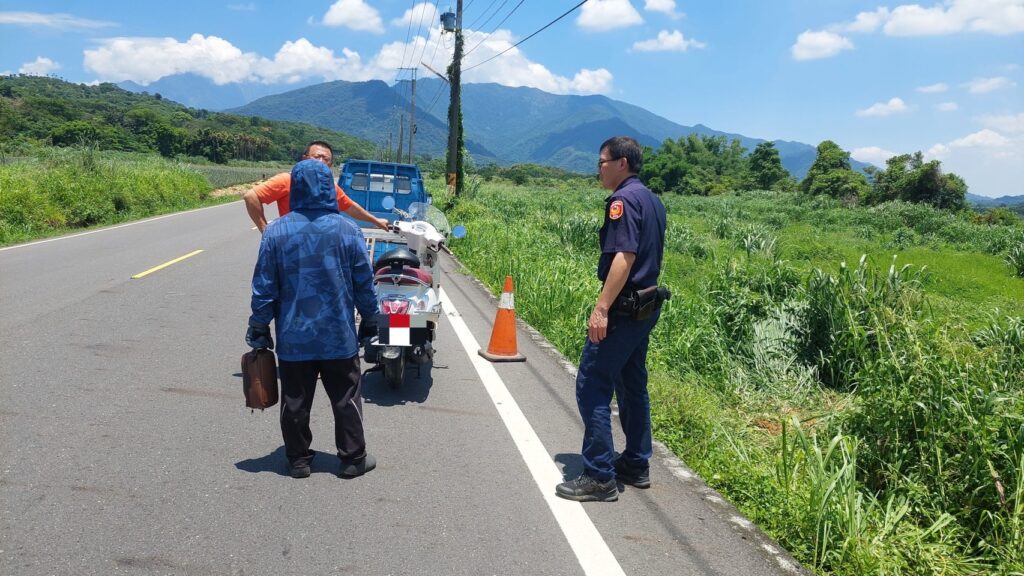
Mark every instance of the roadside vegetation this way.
pixel 60 190
pixel 849 374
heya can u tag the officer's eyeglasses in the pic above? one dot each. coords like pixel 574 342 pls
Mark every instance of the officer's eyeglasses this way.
pixel 603 162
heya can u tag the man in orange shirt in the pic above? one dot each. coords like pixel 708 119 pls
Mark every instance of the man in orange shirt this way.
pixel 276 190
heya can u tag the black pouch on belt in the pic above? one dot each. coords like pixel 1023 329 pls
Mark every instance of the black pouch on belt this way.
pixel 649 300
pixel 640 304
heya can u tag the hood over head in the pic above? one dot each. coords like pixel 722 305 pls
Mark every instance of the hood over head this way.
pixel 312 187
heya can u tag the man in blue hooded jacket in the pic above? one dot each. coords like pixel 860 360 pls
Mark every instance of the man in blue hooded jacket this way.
pixel 312 271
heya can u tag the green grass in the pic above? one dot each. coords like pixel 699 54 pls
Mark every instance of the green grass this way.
pixel 62 190
pixel 865 411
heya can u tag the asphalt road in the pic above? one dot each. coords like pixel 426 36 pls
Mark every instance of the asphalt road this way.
pixel 126 447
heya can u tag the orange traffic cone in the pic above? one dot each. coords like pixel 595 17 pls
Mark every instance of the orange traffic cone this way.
pixel 503 346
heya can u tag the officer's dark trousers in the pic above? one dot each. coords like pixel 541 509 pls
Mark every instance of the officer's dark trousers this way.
pixel 341 380
pixel 617 364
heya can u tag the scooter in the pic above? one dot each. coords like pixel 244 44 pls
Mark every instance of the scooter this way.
pixel 407 279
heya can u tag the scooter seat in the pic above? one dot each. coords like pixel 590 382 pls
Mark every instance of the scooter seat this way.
pixel 406 277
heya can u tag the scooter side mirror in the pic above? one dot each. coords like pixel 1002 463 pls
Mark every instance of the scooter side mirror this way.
pixel 459 231
pixel 388 202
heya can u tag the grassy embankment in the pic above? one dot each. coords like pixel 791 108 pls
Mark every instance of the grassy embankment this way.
pixel 63 190
pixel 863 409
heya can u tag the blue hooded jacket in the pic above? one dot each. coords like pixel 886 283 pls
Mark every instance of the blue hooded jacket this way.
pixel 313 270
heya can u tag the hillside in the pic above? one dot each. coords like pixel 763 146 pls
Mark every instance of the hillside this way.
pixel 369 110
pixel 503 124
pixel 47 111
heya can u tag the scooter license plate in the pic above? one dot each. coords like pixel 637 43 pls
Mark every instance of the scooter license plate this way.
pixel 402 329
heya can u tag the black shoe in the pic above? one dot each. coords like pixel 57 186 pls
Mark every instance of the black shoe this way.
pixel 635 477
pixel 300 471
pixel 586 489
pixel 356 468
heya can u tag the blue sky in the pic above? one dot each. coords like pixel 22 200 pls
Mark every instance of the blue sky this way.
pixel 941 77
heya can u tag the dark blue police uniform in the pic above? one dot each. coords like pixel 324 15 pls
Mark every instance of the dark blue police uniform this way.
pixel 634 222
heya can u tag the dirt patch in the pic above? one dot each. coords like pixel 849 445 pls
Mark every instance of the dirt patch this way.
pixel 772 426
pixel 236 190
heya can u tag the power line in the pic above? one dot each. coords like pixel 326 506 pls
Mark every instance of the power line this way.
pixel 472 24
pixel 426 41
pixel 484 39
pixel 569 11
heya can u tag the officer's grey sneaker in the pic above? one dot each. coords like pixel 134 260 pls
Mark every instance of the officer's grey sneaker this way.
pixel 633 476
pixel 586 489
pixel 356 468
pixel 299 471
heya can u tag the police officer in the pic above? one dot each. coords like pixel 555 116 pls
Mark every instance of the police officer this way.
pixel 615 353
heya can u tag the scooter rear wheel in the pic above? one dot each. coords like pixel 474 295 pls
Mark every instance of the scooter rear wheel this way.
pixel 394 371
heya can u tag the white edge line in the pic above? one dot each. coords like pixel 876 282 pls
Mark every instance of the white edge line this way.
pixel 591 550
pixel 115 227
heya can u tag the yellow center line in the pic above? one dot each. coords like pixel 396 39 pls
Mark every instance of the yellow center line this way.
pixel 165 265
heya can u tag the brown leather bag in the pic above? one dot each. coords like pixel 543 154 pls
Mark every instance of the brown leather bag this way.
pixel 259 379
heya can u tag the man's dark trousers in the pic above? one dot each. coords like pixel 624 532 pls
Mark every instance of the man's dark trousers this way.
pixel 341 380
pixel 617 364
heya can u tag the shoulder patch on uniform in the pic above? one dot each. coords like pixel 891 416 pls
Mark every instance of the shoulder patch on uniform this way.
pixel 615 210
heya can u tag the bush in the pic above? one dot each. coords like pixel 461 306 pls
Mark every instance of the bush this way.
pixel 65 189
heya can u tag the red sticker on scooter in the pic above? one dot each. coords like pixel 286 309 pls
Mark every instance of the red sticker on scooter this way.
pixel 615 210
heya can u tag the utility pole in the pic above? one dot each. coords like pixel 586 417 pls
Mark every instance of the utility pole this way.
pixel 401 136
pixel 412 118
pixel 455 109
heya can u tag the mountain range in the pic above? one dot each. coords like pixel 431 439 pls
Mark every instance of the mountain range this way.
pixel 503 124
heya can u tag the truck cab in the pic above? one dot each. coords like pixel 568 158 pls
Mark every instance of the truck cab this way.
pixel 369 182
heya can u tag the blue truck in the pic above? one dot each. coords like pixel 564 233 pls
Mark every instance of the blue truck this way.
pixel 369 182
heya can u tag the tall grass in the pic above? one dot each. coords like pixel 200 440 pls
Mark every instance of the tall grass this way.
pixel 64 189
pixel 772 343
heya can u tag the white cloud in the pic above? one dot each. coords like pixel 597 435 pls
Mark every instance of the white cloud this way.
pixel 423 13
pixel 868 21
pixel 913 20
pixel 937 152
pixel 893 106
pixel 601 15
pixel 514 69
pixel 933 88
pixel 872 154
pixel 668 42
pixel 250 7
pixel 354 15
pixel 813 45
pixel 1012 124
pixel 984 138
pixel 988 161
pixel 145 60
pixel 667 7
pixel 999 17
pixel 59 21
pixel 986 85
pixel 946 107
pixel 41 66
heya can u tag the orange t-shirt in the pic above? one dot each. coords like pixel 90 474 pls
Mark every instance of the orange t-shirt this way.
pixel 278 187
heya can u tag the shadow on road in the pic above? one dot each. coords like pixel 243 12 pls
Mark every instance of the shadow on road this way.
pixel 276 462
pixel 414 389
pixel 572 465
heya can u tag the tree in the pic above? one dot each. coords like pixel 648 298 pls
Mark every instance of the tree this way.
pixel 766 169
pixel 701 165
pixel 831 174
pixel 909 178
pixel 74 133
